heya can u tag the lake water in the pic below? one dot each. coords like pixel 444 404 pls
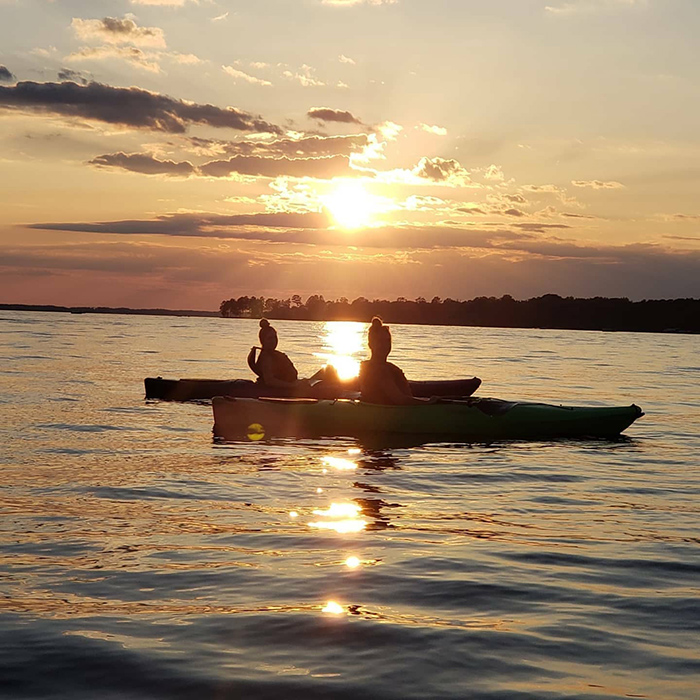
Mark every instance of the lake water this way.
pixel 139 559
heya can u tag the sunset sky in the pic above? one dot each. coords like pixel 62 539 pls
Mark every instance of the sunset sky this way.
pixel 175 153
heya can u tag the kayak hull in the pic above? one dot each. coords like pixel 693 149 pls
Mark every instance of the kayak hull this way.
pixel 470 420
pixel 198 389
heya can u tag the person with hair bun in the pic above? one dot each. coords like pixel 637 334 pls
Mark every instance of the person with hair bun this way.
pixel 273 368
pixel 381 381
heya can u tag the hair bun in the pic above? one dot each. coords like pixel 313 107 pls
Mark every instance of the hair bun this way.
pixel 377 322
pixel 264 323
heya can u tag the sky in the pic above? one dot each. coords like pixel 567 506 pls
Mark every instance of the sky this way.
pixel 175 153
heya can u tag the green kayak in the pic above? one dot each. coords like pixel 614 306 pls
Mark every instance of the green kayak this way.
pixel 474 419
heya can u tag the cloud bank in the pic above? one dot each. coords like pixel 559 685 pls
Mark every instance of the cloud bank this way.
pixel 127 107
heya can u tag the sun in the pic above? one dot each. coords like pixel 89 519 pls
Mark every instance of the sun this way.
pixel 351 205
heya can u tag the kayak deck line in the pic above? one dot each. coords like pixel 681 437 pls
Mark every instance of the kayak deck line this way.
pixel 467 419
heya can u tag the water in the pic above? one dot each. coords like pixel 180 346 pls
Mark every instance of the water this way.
pixel 141 560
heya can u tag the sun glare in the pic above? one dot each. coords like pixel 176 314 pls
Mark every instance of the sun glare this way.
pixel 351 205
pixel 343 344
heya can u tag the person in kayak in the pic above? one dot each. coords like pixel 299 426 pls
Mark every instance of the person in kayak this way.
pixel 273 368
pixel 381 381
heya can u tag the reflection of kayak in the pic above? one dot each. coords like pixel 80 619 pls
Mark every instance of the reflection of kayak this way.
pixel 470 419
pixel 189 389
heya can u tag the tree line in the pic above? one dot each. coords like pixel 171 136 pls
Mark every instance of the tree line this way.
pixel 548 311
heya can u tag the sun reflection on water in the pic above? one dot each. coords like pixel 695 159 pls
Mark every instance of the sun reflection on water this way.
pixel 343 345
pixel 339 463
pixel 341 517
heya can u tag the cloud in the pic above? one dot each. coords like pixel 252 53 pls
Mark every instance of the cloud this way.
pixel 515 198
pixel 220 18
pixel 686 217
pixel 299 228
pixel 131 54
pixel 535 227
pixel 72 76
pixel 127 107
pixel 328 114
pixel 389 130
pixel 5 74
pixel 240 75
pixel 324 168
pixel 309 146
pixel 494 172
pixel 548 189
pixel 305 77
pixel 320 168
pixel 114 30
pixel 143 163
pixel 346 59
pixel 597 184
pixel 173 272
pixel 436 130
pixel 188 59
pixel 440 170
pixel 438 259
pixel 199 225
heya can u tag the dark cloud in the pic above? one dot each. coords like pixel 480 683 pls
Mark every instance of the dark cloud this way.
pixel 254 166
pixel 310 146
pixel 5 74
pixel 570 215
pixel 198 225
pixel 493 210
pixel 143 163
pixel 686 217
pixel 535 227
pixel 473 210
pixel 327 114
pixel 320 168
pixel 695 239
pixel 72 76
pixel 129 107
pixel 305 228
pixel 515 198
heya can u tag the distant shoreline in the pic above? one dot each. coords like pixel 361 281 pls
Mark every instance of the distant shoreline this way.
pixel 107 310
pixel 484 323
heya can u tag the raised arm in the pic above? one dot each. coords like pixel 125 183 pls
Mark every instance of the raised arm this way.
pixel 251 359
